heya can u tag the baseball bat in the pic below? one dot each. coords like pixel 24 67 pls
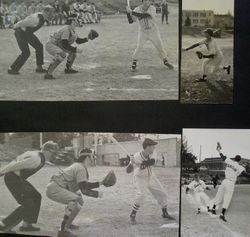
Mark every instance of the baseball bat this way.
pixel 119 145
pixel 130 19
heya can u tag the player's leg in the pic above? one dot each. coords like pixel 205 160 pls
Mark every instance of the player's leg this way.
pixel 206 200
pixel 197 199
pixel 70 60
pixel 140 41
pixel 141 186
pixel 155 38
pixel 38 46
pixel 74 204
pixel 58 56
pixel 204 70
pixel 159 193
pixel 22 42
pixel 218 197
pixel 229 190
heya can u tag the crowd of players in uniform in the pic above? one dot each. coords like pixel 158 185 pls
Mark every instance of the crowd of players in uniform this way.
pixel 10 13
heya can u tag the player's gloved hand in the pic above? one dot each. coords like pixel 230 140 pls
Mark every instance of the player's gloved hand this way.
pixel 199 54
pixel 79 50
pixel 100 194
pixel 92 35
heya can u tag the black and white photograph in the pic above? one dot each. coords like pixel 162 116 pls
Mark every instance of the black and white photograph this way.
pixel 215 182
pixel 90 184
pixel 207 58
pixel 89 50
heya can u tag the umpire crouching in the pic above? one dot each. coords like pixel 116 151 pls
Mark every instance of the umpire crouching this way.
pixel 24 33
pixel 15 175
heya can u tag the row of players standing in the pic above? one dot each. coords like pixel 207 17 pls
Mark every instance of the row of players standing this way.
pixel 10 14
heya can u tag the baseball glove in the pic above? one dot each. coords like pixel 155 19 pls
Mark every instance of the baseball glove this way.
pixel 110 179
pixel 129 168
pixel 199 54
pixel 92 34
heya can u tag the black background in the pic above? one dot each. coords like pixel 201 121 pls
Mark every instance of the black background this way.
pixel 142 116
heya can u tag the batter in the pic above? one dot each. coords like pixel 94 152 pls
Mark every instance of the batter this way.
pixel 145 179
pixel 148 30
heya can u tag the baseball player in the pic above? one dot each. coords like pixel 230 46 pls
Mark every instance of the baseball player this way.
pixel 164 11
pixel 64 188
pixel 24 33
pixel 212 61
pixel 226 189
pixel 148 30
pixel 15 175
pixel 145 179
pixel 60 44
pixel 198 186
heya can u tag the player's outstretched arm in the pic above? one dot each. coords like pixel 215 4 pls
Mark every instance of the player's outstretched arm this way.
pixel 82 40
pixel 208 55
pixel 192 47
pixel 219 148
pixel 141 15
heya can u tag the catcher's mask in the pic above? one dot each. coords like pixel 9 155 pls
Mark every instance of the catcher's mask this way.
pixel 237 158
pixel 83 154
pixel 209 31
pixel 73 18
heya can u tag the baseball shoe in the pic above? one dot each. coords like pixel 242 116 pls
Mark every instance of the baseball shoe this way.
pixel 167 216
pixel 49 77
pixel 4 229
pixel 133 67
pixel 199 211
pixel 40 70
pixel 213 212
pixel 132 219
pixel 29 228
pixel 13 72
pixel 65 233
pixel 166 63
pixel 200 80
pixel 222 217
pixel 228 69
pixel 70 71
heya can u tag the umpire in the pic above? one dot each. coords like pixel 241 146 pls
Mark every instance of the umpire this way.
pixel 24 33
pixel 15 175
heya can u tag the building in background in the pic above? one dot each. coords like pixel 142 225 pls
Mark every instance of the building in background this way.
pixel 225 21
pixel 198 17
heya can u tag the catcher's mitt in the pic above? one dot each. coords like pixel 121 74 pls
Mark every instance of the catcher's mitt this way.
pixel 199 54
pixel 129 168
pixel 110 179
pixel 92 34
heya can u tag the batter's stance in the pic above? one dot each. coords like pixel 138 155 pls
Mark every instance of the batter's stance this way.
pixel 148 30
pixel 15 175
pixel 24 33
pixel 64 188
pixel 226 189
pixel 198 187
pixel 214 57
pixel 145 179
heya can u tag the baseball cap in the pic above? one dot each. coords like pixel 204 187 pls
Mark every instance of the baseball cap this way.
pixel 209 31
pixel 148 142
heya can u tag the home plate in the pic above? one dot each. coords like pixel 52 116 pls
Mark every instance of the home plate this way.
pixel 171 225
pixel 142 77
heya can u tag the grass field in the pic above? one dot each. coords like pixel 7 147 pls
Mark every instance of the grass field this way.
pixel 193 225
pixel 109 216
pixel 219 87
pixel 104 66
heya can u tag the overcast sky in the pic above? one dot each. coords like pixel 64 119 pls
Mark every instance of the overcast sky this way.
pixel 233 142
pixel 218 6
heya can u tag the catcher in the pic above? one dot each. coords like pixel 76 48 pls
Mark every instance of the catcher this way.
pixel 64 188
pixel 145 179
pixel 60 44
pixel 16 175
pixel 212 61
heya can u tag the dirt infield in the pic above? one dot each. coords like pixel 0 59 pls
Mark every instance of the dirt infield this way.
pixel 107 217
pixel 219 87
pixel 203 225
pixel 104 66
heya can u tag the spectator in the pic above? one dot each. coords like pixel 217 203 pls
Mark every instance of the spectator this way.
pixel 4 11
pixel 58 13
pixel 164 11
pixel 187 21
pixel 93 12
pixel 32 8
pixel 66 8
pixel 22 10
pixel 39 7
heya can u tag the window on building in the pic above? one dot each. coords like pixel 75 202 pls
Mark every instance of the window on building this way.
pixel 195 21
pixel 203 14
pixel 195 14
pixel 203 21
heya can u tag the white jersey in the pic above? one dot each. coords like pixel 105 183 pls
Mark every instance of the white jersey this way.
pixel 147 24
pixel 212 47
pixel 137 160
pixel 233 170
pixel 197 186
